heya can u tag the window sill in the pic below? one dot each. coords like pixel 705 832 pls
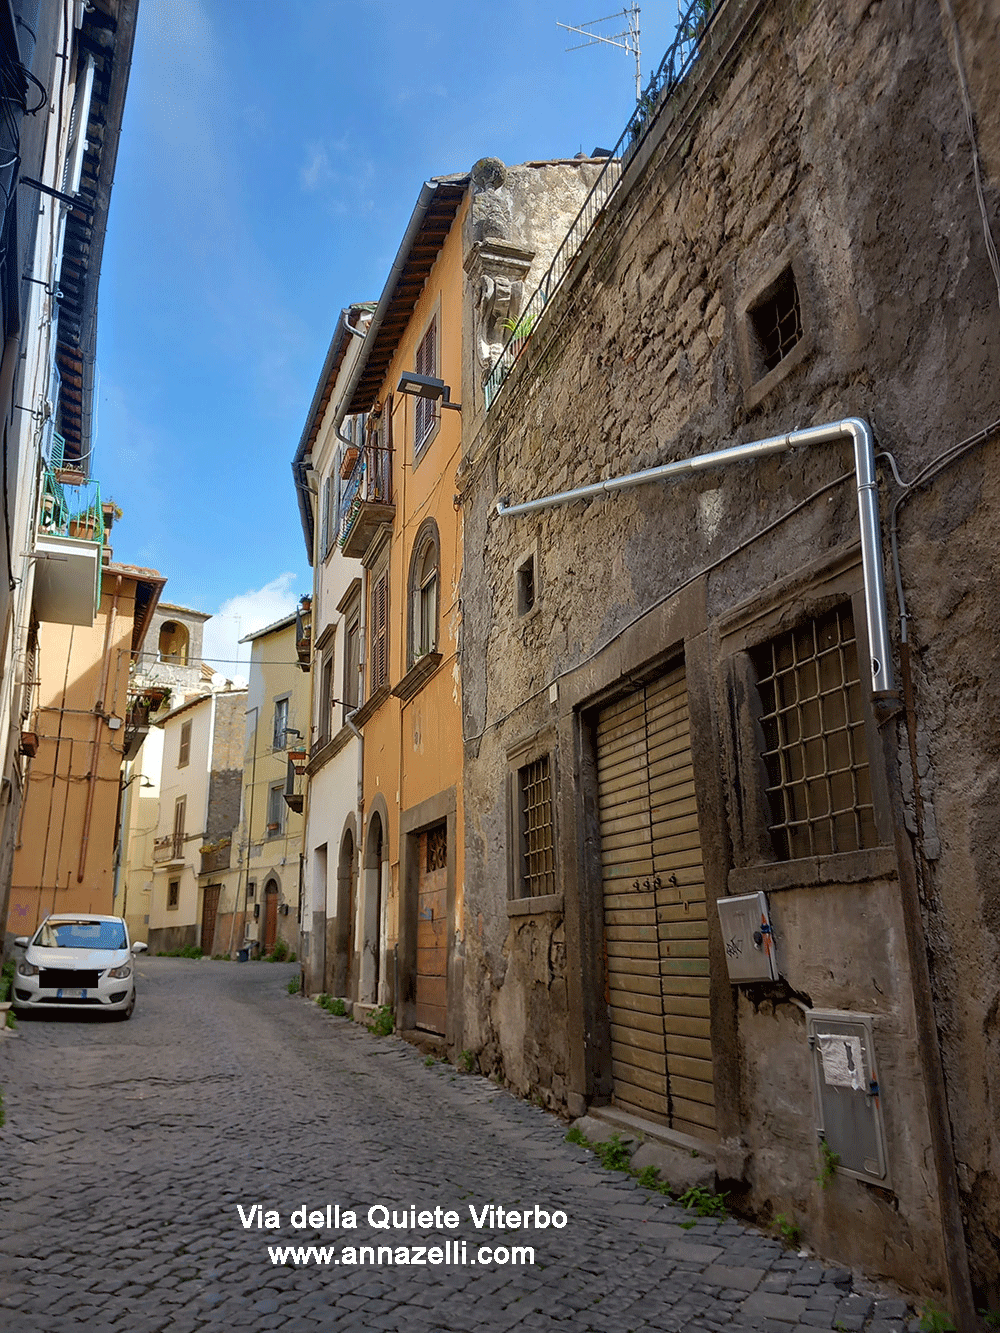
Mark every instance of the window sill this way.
pixel 549 902
pixel 418 674
pixel 372 706
pixel 813 871
pixel 328 749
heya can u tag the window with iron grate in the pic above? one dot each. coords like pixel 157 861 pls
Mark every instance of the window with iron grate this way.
pixel 776 320
pixel 536 843
pixel 813 739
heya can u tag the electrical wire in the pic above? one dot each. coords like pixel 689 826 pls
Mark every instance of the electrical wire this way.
pixel 991 249
pixel 925 475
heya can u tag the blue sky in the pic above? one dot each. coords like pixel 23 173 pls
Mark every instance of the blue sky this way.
pixel 270 158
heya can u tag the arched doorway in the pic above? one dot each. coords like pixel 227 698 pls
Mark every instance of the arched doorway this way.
pixel 371 947
pixel 270 917
pixel 344 972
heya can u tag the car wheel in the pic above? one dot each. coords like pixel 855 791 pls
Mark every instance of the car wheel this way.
pixel 125 1014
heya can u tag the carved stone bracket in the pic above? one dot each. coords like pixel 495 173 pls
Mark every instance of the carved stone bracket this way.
pixel 496 272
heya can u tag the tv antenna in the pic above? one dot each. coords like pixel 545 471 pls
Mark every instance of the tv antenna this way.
pixel 627 40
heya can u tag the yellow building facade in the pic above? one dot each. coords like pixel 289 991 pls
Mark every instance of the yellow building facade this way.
pixel 269 846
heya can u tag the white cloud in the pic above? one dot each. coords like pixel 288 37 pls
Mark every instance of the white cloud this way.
pixel 243 614
pixel 316 169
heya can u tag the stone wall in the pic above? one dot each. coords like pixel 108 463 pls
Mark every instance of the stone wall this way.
pixel 827 139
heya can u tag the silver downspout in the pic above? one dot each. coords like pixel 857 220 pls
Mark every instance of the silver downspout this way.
pixel 864 468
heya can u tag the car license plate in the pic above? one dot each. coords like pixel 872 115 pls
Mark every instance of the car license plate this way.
pixel 71 993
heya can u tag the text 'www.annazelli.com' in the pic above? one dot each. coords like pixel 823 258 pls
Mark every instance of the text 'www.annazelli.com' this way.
pixel 453 1253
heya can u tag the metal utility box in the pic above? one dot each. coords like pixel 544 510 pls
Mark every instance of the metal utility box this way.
pixel 746 934
pixel 845 1083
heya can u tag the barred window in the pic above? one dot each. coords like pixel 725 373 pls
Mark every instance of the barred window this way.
pixel 536 844
pixel 813 732
pixel 777 321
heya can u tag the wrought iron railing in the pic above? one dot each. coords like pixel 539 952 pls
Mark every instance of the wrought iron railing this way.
pixel 70 509
pixel 370 482
pixel 692 26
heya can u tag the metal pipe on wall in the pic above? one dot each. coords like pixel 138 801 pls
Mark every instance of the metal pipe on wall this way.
pixel 852 428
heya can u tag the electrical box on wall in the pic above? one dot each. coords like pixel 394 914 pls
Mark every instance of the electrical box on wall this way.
pixel 845 1083
pixel 746 934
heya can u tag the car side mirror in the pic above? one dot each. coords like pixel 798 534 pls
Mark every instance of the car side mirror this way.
pixel 22 941
pixel 139 947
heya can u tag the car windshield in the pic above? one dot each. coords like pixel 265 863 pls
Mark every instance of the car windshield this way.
pixel 81 935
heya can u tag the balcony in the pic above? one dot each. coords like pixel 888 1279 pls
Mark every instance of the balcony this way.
pixel 367 500
pixel 164 849
pixel 69 545
pixel 215 856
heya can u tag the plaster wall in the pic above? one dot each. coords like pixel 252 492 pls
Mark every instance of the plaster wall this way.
pixel 64 855
pixel 854 169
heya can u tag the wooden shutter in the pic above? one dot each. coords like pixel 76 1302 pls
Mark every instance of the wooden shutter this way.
pixel 180 806
pixel 426 365
pixel 379 636
pixel 656 921
pixel 184 748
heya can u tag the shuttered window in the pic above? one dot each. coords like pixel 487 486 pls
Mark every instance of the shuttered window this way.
pixel 379 636
pixel 426 409
pixel 184 746
pixel 180 808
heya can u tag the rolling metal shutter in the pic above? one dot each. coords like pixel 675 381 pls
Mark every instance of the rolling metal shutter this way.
pixel 655 917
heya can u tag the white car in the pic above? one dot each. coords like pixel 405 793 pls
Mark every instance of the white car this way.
pixel 77 960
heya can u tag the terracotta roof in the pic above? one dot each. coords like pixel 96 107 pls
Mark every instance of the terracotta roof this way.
pixel 403 288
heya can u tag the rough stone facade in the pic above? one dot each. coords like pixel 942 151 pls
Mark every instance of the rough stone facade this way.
pixel 826 141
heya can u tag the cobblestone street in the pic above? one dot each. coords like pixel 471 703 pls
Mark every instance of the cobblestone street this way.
pixel 128 1147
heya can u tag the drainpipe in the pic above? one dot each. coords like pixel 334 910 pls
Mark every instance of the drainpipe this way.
pixel 109 630
pixel 928 1043
pixel 864 467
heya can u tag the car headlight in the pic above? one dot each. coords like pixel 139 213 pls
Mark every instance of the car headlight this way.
pixel 124 971
pixel 26 969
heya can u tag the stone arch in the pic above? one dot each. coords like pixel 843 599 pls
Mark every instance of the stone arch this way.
pixel 269 929
pixel 343 970
pixel 172 643
pixel 373 987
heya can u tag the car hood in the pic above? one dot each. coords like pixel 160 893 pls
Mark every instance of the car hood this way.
pixel 83 959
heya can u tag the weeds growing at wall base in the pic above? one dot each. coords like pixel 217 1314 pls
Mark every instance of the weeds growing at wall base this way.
pixel 616 1155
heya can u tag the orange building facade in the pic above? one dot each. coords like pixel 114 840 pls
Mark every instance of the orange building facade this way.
pixel 64 857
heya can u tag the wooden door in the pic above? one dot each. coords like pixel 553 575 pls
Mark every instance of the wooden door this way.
pixel 209 911
pixel 432 929
pixel 270 917
pixel 655 913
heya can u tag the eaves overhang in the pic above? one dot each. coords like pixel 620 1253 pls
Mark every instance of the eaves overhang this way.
pixel 436 209
pixel 108 35
pixel 350 318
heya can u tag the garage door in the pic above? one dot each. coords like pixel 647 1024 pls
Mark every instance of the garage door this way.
pixel 655 917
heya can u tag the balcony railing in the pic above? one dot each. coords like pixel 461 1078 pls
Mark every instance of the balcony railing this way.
pixel 216 856
pixel 367 500
pixel 163 849
pixel 692 26
pixel 70 506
